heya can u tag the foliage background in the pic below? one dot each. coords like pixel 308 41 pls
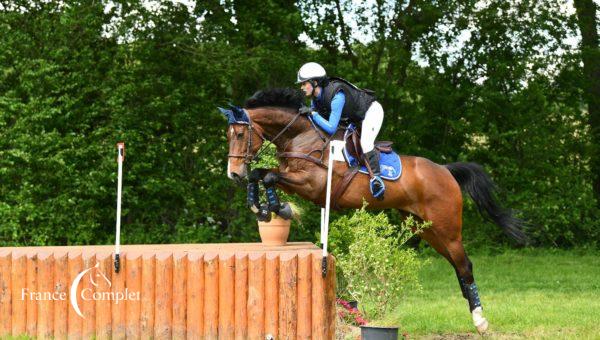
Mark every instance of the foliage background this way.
pixel 495 82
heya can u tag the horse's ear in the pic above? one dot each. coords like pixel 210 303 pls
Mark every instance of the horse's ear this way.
pixel 239 114
pixel 227 113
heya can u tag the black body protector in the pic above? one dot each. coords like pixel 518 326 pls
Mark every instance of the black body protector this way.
pixel 357 100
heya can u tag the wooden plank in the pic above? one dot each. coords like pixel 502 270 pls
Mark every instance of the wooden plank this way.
pixel 119 304
pixel 133 283
pixel 330 302
pixel 18 275
pixel 256 296
pixel 195 296
pixel 88 305
pixel 5 293
pixel 226 296
pixel 32 268
pixel 74 321
pixel 61 290
pixel 288 310
pixel 102 276
pixel 163 307
pixel 272 295
pixel 147 303
pixel 319 325
pixel 304 330
pixel 241 296
pixel 179 294
pixel 45 279
pixel 211 295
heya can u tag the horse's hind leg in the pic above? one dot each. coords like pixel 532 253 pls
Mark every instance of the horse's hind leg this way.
pixel 444 236
pixel 464 270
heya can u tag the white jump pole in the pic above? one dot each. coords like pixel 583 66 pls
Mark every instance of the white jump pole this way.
pixel 120 159
pixel 335 153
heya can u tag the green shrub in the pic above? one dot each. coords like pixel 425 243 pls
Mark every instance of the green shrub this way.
pixel 372 267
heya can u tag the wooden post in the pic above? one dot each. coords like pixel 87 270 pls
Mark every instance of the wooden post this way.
pixel 211 296
pixel 103 284
pixel 75 322
pixel 133 282
pixel 272 294
pixel 45 280
pixel 304 295
pixel 61 289
pixel 288 309
pixel 163 306
pixel 241 296
pixel 5 293
pixel 18 274
pixel 256 296
pixel 195 296
pixel 147 303
pixel 179 295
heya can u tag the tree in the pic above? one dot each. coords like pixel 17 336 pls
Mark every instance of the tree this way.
pixel 587 22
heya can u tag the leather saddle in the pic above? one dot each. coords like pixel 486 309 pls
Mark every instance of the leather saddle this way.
pixel 353 147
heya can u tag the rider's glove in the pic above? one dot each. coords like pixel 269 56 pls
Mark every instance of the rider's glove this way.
pixel 305 110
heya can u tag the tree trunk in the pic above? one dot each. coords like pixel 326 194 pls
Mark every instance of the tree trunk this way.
pixel 590 53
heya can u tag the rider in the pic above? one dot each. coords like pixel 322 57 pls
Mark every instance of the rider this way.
pixel 334 99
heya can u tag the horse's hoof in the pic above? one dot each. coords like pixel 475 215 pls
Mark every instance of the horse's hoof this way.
pixel 482 327
pixel 479 321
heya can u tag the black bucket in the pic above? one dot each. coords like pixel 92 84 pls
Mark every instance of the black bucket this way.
pixel 378 333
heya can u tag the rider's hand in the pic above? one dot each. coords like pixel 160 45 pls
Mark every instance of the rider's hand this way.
pixel 305 110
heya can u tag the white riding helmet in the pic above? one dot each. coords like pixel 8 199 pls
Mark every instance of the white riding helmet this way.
pixel 310 71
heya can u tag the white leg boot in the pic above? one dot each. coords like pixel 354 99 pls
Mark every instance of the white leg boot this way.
pixel 479 321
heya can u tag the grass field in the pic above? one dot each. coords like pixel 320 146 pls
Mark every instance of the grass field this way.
pixel 540 294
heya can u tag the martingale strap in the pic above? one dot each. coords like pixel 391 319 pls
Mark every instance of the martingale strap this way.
pixel 304 156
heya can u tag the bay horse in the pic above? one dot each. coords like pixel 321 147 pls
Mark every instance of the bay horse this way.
pixel 429 191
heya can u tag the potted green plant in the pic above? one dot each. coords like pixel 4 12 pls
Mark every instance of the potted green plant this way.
pixel 377 271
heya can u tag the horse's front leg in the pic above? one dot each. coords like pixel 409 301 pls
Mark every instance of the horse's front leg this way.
pixel 253 198
pixel 270 181
pixel 303 183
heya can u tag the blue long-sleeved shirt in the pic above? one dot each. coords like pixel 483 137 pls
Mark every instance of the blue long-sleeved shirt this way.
pixel 337 105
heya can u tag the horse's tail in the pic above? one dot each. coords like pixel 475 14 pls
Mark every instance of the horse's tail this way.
pixel 472 178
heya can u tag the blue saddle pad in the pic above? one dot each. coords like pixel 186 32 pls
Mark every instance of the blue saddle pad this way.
pixel 390 165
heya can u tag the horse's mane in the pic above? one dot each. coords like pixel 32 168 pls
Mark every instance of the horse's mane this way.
pixel 283 97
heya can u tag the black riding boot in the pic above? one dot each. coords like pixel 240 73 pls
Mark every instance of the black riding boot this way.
pixel 377 186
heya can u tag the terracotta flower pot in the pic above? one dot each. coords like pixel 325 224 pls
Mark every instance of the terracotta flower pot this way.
pixel 274 232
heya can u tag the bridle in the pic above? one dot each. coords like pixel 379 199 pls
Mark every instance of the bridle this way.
pixel 248 156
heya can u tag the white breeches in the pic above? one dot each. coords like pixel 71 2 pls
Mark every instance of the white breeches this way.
pixel 370 126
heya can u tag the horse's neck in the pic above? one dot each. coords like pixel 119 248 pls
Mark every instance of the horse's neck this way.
pixel 299 136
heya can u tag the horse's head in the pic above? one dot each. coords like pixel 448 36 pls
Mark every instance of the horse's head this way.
pixel 244 142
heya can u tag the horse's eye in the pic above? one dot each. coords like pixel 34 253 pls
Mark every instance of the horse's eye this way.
pixel 240 135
